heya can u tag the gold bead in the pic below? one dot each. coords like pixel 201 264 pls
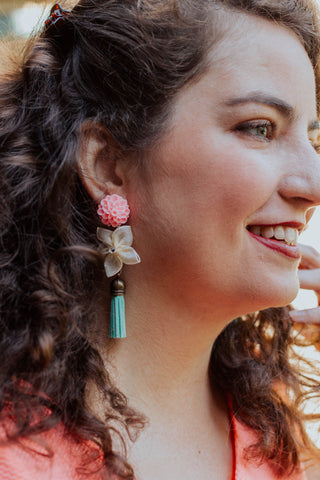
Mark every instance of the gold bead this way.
pixel 117 287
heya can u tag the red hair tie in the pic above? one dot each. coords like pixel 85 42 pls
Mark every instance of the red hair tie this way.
pixel 56 15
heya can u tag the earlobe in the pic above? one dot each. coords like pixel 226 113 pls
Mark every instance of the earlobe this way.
pixel 99 161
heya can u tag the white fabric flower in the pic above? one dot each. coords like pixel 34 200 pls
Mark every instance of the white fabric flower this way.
pixel 119 250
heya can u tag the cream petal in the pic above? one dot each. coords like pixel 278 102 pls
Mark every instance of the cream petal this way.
pixel 128 255
pixel 122 236
pixel 112 265
pixel 105 236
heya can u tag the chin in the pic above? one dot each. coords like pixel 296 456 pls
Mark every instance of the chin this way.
pixel 281 296
pixel 266 294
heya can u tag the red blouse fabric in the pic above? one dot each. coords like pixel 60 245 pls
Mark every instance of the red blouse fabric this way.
pixel 29 459
pixel 21 462
pixel 242 470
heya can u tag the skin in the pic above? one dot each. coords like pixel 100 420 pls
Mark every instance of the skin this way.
pixel 221 166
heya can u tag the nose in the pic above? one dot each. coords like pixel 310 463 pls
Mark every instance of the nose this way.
pixel 301 183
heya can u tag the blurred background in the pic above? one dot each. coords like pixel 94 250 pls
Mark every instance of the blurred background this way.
pixel 306 298
pixel 19 17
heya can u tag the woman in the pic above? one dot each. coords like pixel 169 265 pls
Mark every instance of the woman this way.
pixel 184 113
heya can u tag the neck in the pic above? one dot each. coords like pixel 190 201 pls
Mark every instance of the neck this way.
pixel 162 368
pixel 166 353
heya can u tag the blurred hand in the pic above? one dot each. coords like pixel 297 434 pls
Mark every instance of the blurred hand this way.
pixel 308 321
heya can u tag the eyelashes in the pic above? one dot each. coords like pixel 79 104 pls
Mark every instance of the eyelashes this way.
pixel 316 146
pixel 265 130
pixel 260 129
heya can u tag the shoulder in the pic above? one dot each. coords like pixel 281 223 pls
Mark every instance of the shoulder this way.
pixel 243 437
pixel 53 455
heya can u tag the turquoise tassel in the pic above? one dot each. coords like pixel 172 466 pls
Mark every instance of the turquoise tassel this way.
pixel 117 327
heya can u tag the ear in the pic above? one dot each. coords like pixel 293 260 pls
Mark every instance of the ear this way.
pixel 100 167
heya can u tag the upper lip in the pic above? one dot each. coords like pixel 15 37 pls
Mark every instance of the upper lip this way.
pixel 293 224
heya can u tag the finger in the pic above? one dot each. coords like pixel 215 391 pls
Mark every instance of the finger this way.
pixel 310 257
pixel 309 215
pixel 310 316
pixel 310 279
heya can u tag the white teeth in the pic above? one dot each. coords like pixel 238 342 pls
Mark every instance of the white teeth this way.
pixel 267 232
pixel 291 236
pixel 279 233
pixel 256 230
pixel 287 234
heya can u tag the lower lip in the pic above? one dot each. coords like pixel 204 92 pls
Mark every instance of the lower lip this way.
pixel 288 250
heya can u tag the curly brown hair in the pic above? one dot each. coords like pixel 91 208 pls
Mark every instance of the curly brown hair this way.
pixel 120 64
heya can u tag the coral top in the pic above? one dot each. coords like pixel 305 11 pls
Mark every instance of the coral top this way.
pixel 243 437
pixel 18 462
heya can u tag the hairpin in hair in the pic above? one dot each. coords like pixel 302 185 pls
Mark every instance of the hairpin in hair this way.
pixel 56 15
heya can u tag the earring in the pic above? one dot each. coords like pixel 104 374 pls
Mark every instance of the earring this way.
pixel 113 211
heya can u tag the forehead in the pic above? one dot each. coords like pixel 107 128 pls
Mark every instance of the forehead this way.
pixel 256 53
pixel 253 55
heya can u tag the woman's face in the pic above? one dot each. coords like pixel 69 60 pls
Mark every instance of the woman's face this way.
pixel 236 166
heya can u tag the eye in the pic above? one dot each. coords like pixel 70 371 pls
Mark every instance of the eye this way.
pixel 260 131
pixel 316 146
pixel 263 130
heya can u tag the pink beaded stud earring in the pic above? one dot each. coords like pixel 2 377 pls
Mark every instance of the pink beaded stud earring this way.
pixel 114 211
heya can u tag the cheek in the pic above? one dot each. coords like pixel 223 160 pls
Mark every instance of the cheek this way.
pixel 190 189
pixel 224 184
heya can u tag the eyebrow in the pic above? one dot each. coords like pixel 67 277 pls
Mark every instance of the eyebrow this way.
pixel 281 106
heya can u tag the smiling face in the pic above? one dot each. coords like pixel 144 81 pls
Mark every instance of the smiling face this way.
pixel 235 168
